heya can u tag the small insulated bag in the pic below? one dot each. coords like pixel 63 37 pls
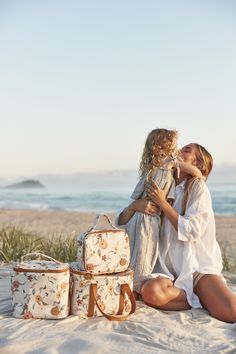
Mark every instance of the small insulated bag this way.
pixel 103 251
pixel 108 295
pixel 40 288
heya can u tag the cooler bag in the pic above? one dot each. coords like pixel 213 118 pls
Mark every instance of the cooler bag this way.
pixel 108 295
pixel 40 288
pixel 103 251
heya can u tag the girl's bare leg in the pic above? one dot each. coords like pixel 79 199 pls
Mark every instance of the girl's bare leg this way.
pixel 162 294
pixel 216 297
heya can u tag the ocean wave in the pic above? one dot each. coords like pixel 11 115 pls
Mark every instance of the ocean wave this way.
pixel 224 200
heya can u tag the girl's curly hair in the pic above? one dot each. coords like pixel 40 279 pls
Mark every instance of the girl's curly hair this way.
pixel 159 144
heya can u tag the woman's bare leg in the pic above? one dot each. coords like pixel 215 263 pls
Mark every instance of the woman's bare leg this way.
pixel 162 294
pixel 216 297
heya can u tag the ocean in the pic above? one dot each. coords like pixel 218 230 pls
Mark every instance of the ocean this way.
pixel 223 199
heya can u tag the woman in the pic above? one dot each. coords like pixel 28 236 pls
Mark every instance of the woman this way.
pixel 190 261
pixel 159 161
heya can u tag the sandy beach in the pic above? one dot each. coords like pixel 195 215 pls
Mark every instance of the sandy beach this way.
pixel 66 222
pixel 46 223
pixel 147 331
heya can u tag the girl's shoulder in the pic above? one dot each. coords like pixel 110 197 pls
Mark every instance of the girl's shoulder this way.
pixel 168 163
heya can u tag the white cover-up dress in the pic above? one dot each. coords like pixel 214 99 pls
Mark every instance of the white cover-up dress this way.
pixel 143 230
pixel 193 248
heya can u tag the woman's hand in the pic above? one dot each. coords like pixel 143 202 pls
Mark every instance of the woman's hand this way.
pixel 156 194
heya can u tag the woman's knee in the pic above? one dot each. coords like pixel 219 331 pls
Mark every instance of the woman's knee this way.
pixel 154 292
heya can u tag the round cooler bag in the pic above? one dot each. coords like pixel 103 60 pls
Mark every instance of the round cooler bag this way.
pixel 108 295
pixel 40 288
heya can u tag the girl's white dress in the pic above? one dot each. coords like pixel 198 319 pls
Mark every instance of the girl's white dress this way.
pixel 143 230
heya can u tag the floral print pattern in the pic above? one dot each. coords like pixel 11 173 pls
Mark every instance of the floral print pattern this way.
pixel 42 265
pixel 103 252
pixel 108 292
pixel 40 295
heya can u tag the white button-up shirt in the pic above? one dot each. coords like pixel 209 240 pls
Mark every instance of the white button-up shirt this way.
pixel 194 247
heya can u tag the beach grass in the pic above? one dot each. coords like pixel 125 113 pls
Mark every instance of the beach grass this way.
pixel 16 242
pixel 229 262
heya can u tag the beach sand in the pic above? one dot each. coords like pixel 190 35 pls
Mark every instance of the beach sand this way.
pixel 147 331
pixel 46 223
pixel 66 222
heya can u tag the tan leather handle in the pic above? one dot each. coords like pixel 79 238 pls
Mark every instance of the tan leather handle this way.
pixel 124 288
pixel 41 255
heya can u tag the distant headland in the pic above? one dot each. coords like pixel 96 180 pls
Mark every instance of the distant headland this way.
pixel 30 183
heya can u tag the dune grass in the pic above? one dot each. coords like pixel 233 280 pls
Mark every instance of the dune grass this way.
pixel 229 262
pixel 15 242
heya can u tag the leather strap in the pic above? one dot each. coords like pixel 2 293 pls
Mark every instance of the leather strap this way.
pixel 121 302
pixel 92 300
pixel 40 255
pixel 96 223
pixel 124 288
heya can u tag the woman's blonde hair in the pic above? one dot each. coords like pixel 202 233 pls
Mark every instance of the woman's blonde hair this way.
pixel 204 164
pixel 159 144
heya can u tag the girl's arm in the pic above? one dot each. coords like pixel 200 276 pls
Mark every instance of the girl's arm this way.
pixel 144 206
pixel 157 195
pixel 190 169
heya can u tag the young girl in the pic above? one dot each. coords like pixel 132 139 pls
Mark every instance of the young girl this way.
pixel 159 161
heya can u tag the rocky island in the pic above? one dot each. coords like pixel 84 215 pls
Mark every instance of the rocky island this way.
pixel 30 183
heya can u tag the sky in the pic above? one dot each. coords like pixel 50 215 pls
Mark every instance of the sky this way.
pixel 82 83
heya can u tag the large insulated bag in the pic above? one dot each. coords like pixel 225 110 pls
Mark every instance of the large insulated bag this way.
pixel 40 288
pixel 108 295
pixel 103 251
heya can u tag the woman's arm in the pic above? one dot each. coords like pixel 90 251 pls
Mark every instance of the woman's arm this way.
pixel 193 223
pixel 190 169
pixel 144 206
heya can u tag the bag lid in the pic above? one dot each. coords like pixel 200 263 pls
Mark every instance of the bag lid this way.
pixel 40 265
pixel 75 268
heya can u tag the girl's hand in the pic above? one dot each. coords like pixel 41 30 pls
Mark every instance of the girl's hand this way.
pixel 145 206
pixel 156 194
